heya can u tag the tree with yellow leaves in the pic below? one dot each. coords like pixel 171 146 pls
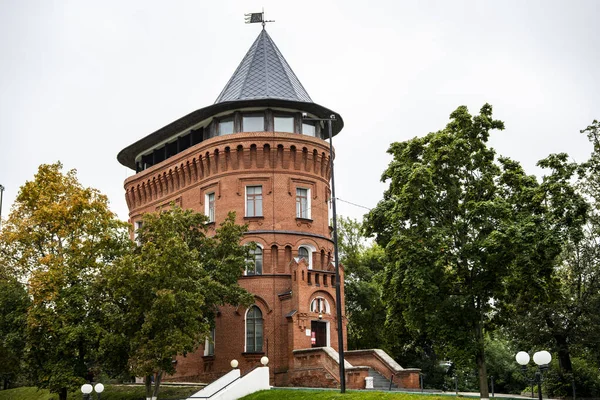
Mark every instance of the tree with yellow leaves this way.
pixel 57 240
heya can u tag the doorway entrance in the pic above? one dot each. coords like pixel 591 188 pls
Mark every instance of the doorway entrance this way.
pixel 319 333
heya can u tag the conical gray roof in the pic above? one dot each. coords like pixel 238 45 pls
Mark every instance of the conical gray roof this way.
pixel 263 79
pixel 263 74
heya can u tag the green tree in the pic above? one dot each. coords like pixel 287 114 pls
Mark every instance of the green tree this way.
pixel 564 314
pixel 454 222
pixel 58 238
pixel 163 297
pixel 13 318
pixel 363 266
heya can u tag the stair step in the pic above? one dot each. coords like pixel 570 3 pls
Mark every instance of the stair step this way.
pixel 380 382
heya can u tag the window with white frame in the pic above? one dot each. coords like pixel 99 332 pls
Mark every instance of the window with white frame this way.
pixel 209 206
pixel 254 201
pixel 254 330
pixel 209 344
pixel 306 253
pixel 320 305
pixel 303 253
pixel 303 203
pixel 254 262
pixel 136 226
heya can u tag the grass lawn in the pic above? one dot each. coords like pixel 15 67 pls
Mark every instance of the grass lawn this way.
pixel 111 392
pixel 327 395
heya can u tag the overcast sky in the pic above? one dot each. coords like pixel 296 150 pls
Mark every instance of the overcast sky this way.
pixel 80 80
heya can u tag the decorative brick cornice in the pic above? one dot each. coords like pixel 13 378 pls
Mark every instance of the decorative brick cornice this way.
pixel 257 152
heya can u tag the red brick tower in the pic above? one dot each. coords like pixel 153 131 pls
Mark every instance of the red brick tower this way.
pixel 252 152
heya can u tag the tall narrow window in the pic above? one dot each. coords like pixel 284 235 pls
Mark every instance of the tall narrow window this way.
pixel 302 203
pixel 137 226
pixel 306 253
pixel 254 262
pixel 254 330
pixel 254 201
pixel 209 344
pixel 210 207
pixel 303 253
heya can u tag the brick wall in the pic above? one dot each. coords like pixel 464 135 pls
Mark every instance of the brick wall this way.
pixel 404 378
pixel 279 162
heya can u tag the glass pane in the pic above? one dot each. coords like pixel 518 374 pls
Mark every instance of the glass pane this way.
pixel 258 210
pixel 258 264
pixel 284 124
pixel 302 252
pixel 250 343
pixel 308 129
pixel 259 335
pixel 250 207
pixel 253 123
pixel 225 127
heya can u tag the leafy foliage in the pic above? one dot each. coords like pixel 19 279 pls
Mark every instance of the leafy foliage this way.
pixel 564 315
pixel 455 224
pixel 58 238
pixel 13 310
pixel 162 297
pixel 363 267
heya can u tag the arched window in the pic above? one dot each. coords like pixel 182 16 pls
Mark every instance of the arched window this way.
pixel 254 262
pixel 306 253
pixel 303 253
pixel 254 330
pixel 320 305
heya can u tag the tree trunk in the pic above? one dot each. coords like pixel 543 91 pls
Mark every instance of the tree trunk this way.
pixel 480 358
pixel 564 362
pixel 564 356
pixel 157 381
pixel 62 394
pixel 483 384
pixel 148 382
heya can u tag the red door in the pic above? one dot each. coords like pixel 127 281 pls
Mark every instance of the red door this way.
pixel 319 333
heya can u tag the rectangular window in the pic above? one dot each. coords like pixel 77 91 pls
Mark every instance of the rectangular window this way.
pixel 210 207
pixel 284 124
pixel 308 129
pixel 253 123
pixel 254 201
pixel 209 344
pixel 254 262
pixel 302 203
pixel 225 127
pixel 137 225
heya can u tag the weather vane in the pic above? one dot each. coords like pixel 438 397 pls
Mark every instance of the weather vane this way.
pixel 253 18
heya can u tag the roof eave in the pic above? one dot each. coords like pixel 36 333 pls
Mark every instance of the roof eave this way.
pixel 127 156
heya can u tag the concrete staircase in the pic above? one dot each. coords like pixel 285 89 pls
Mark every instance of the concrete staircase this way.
pixel 379 381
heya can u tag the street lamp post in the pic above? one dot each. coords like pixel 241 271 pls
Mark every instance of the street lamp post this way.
pixel 1 196
pixel 542 359
pixel 87 389
pixel 338 292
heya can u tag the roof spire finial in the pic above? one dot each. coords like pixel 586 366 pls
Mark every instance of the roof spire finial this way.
pixel 252 18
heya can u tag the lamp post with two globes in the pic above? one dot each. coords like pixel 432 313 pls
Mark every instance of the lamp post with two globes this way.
pixel 542 359
pixel 87 389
